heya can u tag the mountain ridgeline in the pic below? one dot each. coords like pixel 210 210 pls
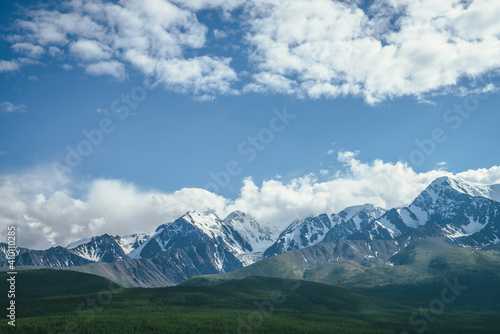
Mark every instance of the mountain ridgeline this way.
pixel 458 213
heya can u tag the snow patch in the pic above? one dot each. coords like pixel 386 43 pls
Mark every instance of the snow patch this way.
pixel 78 243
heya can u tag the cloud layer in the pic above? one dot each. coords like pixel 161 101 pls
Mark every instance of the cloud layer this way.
pixel 322 48
pixel 150 36
pixel 51 212
pixel 305 48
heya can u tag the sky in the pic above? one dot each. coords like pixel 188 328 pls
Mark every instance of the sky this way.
pixel 118 116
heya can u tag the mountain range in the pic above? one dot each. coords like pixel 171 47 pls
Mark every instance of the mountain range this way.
pixel 462 214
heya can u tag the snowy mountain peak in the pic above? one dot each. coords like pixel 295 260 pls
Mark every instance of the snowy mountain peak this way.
pixel 208 222
pixel 365 211
pixel 203 221
pixel 238 234
pixel 445 184
pixel 258 236
pixel 456 208
pixel 104 248
pixel 77 243
pixel 236 213
pixel 196 215
pixel 130 242
pixel 323 228
pixel 467 213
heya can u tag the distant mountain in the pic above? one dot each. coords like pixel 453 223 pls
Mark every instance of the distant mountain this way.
pixel 194 244
pixel 351 220
pixel 463 212
pixel 296 263
pixel 323 228
pixel 342 263
pixel 3 253
pixel 104 248
pixel 238 236
pixel 301 234
pixel 249 232
pixel 207 241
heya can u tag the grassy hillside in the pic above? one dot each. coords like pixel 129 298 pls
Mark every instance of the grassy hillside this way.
pixel 426 261
pixel 68 302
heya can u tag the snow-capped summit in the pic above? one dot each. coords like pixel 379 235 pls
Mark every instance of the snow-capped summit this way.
pixel 208 222
pixel 254 233
pixel 351 220
pixel 459 208
pixel 444 198
pixel 200 243
pixel 358 214
pixel 104 248
pixel 130 242
pixel 238 234
pixel 78 243
pixel 255 237
pixel 300 234
pixel 444 184
pixel 199 238
pixel 313 230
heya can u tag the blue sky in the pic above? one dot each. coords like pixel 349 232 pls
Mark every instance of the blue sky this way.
pixel 369 88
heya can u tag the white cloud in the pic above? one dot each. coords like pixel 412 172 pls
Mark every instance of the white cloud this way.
pixel 226 5
pixel 28 61
pixel 322 48
pixel 112 68
pixel 55 52
pixel 346 156
pixel 30 50
pixel 66 67
pixel 152 36
pixel 305 48
pixel 90 50
pixel 11 107
pixel 197 75
pixel 48 212
pixel 387 185
pixel 9 65
pixel 219 33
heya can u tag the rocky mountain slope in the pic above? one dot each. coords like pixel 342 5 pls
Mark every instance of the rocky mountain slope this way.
pixel 461 213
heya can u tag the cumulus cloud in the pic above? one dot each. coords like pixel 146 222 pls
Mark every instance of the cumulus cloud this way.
pixel 226 5
pixel 323 48
pixel 10 107
pixel 150 36
pixel 112 68
pixel 386 185
pixel 55 52
pixel 305 48
pixel 49 212
pixel 30 50
pixel 90 50
pixel 9 65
